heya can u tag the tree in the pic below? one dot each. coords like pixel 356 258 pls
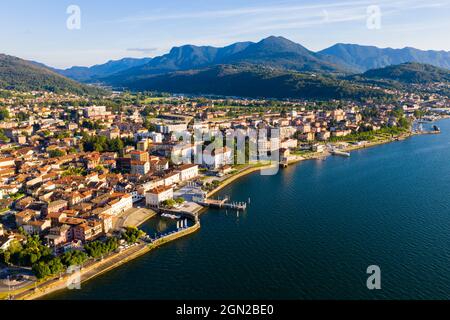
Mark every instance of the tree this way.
pixel 180 200
pixel 73 258
pixel 168 203
pixel 41 270
pixel 4 114
pixel 97 248
pixel 5 256
pixel 22 116
pixel 55 153
pixel 132 235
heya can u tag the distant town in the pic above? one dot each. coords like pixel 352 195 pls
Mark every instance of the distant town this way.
pixel 79 175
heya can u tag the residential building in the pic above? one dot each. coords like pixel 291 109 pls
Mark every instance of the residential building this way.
pixel 154 197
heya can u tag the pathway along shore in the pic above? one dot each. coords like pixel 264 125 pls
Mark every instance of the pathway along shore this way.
pixel 94 269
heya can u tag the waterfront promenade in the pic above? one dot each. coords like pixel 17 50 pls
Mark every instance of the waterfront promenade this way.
pixel 95 268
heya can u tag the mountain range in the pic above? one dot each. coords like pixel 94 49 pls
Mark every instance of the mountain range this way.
pixel 272 67
pixel 274 52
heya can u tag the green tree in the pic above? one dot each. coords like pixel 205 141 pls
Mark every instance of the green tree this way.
pixel 55 153
pixel 132 235
pixel 41 270
pixel 74 258
pixel 4 114
pixel 179 200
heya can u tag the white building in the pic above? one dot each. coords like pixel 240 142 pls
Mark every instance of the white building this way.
pixel 154 197
pixel 217 158
pixel 95 112
pixel 171 178
pixel 156 137
pixel 168 128
pixel 121 204
pixel 140 167
pixel 188 172
pixel 289 144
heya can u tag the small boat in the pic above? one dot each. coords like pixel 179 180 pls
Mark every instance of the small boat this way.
pixel 170 216
pixel 340 153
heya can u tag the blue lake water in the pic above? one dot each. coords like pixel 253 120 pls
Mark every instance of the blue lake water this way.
pixel 310 232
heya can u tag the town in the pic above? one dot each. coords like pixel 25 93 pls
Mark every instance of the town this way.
pixel 79 175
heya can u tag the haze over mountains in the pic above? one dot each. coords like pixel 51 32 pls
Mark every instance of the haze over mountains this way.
pixel 274 67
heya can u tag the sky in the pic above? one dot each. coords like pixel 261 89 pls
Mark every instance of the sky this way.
pixel 110 30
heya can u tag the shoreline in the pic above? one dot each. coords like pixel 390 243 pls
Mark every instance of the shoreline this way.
pixel 100 267
pixel 313 156
pixel 94 271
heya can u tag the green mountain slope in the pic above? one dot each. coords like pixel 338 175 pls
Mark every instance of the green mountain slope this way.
pixel 410 73
pixel 253 81
pixel 22 75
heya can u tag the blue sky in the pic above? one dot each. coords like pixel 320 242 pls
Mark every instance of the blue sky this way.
pixel 37 30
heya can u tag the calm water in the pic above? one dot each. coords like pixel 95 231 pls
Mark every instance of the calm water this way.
pixel 310 233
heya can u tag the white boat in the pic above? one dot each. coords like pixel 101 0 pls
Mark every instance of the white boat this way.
pixel 340 153
pixel 170 216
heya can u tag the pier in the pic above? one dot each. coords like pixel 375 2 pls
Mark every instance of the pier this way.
pixel 223 204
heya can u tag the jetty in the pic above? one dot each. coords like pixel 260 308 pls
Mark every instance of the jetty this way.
pixel 223 204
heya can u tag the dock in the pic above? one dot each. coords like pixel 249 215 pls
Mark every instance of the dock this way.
pixel 223 204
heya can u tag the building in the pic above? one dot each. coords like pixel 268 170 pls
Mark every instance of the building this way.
pixel 25 216
pixel 140 167
pixel 289 144
pixel 154 197
pixel 56 206
pixel 37 226
pixel 88 231
pixel 95 112
pixel 217 158
pixel 138 155
pixel 143 145
pixel 121 202
pixel 171 178
pixel 188 172
pixel 6 241
pixel 169 128
pixel 58 236
pixel 7 163
pixel 156 137
pixel 107 222
pixel 323 135
pixel 318 147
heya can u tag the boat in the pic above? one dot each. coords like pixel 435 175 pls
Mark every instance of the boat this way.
pixel 340 153
pixel 170 216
